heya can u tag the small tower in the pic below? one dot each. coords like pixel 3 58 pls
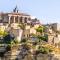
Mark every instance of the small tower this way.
pixel 15 9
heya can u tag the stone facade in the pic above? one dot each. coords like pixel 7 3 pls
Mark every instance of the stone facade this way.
pixel 52 31
pixel 17 17
pixel 54 26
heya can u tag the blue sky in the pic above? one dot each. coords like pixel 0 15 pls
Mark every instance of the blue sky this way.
pixel 48 11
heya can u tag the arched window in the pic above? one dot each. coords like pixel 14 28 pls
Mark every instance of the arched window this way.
pixel 5 19
pixel 29 19
pixel 16 19
pixel 12 19
pixel 1 20
pixel 20 20
pixel 25 20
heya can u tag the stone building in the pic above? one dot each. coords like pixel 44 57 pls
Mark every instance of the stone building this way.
pixel 56 39
pixel 54 26
pixel 51 38
pixel 14 18
pixel 52 32
pixel 17 17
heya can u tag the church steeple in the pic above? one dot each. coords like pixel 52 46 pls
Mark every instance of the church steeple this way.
pixel 15 9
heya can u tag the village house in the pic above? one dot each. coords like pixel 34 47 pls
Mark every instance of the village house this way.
pixel 52 32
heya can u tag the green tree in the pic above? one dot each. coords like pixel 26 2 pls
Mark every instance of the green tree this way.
pixel 40 29
pixel 7 39
pixel 3 33
pixel 42 38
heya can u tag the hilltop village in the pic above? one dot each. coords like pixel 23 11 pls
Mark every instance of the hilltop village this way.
pixel 23 35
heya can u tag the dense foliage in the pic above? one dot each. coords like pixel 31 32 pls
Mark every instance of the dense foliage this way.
pixel 44 50
pixel 39 29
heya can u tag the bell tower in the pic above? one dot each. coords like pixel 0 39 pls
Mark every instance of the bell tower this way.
pixel 15 9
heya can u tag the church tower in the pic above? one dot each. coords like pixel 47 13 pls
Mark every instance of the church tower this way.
pixel 15 9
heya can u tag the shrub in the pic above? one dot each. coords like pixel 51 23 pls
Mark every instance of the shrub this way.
pixel 24 40
pixel 16 41
pixel 44 50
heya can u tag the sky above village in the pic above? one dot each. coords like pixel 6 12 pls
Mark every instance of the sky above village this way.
pixel 48 11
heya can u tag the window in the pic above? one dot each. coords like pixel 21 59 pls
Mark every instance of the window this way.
pixel 16 19
pixel 12 19
pixel 20 20
pixel 25 20
pixel 5 19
